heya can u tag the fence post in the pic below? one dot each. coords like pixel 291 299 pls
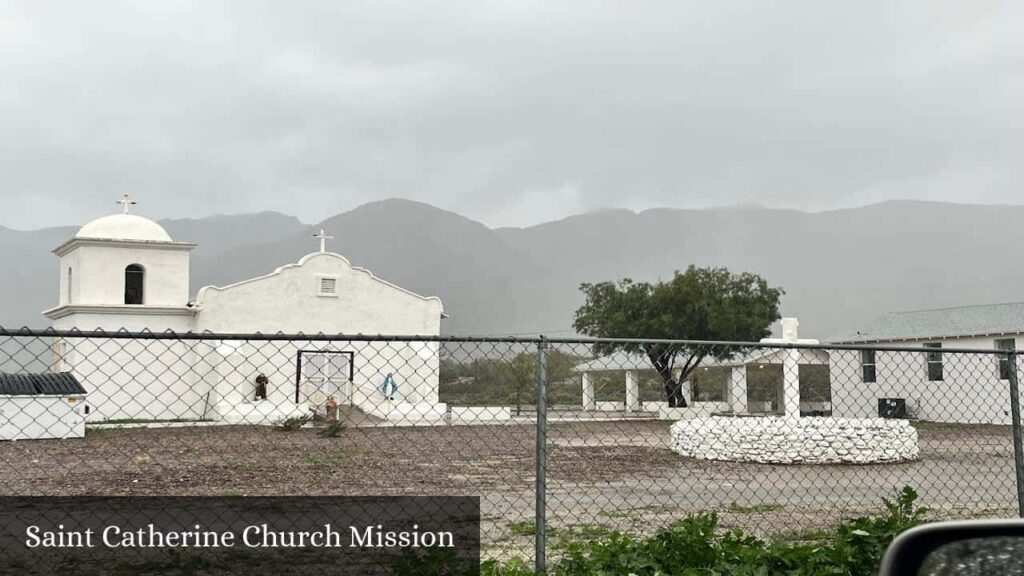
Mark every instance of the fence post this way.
pixel 1018 449
pixel 540 518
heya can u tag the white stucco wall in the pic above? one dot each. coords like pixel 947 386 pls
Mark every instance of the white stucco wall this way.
pixel 169 379
pixel 99 273
pixel 289 301
pixel 970 391
pixel 137 379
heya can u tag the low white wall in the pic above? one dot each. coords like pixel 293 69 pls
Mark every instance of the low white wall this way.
pixel 38 417
pixel 408 414
pixel 779 440
pixel 694 410
pixel 479 414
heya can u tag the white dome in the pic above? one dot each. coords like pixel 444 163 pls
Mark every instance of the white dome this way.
pixel 124 227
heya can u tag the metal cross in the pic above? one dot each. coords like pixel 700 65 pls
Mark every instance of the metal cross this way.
pixel 126 202
pixel 323 239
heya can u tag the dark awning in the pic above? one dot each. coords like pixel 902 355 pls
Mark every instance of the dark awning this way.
pixel 63 383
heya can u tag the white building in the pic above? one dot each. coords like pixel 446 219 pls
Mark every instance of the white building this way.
pixel 931 385
pixel 731 394
pixel 964 388
pixel 124 272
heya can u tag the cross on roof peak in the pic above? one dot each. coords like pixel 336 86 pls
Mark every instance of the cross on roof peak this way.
pixel 322 235
pixel 126 202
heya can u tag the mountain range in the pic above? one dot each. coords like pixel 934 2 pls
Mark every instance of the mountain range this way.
pixel 839 268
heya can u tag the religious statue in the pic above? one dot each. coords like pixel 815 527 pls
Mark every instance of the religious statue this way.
pixel 261 386
pixel 389 388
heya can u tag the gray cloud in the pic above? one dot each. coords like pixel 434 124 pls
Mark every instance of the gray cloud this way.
pixel 510 112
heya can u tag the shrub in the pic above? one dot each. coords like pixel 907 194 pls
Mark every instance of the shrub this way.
pixel 292 424
pixel 695 546
pixel 333 429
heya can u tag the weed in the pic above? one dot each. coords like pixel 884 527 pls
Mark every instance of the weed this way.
pixel 696 545
pixel 755 509
pixel 292 424
pixel 333 429
pixel 326 459
pixel 522 528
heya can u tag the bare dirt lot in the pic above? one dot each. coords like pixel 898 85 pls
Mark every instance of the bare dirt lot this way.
pixel 602 475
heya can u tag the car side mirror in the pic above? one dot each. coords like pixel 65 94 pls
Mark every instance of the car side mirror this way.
pixel 957 549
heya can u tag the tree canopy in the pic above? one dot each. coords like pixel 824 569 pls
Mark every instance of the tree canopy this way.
pixel 700 304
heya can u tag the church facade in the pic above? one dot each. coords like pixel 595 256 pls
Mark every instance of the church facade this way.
pixel 125 272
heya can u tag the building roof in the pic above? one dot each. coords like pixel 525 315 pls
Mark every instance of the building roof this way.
pixel 63 383
pixel 124 227
pixel 626 361
pixel 964 321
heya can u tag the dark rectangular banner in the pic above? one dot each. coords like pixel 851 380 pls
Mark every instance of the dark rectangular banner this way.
pixel 236 535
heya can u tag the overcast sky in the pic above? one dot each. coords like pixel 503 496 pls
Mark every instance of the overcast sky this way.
pixel 511 112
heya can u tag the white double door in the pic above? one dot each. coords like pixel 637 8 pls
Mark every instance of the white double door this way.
pixel 327 374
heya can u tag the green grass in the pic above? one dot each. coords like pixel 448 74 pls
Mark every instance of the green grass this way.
pixel 326 459
pixel 522 528
pixel 958 426
pixel 618 513
pixel 755 509
pixel 567 538
pixel 147 421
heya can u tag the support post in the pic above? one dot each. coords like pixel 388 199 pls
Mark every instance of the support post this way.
pixel 632 391
pixel 589 401
pixel 791 383
pixel 1018 448
pixel 540 497
pixel 738 389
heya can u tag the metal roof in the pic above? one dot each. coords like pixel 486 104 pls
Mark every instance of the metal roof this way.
pixel 963 321
pixel 626 361
pixel 63 383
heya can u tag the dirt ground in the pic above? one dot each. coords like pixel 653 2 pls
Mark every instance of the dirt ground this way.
pixel 602 475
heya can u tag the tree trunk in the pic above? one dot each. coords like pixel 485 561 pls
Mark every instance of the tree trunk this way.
pixel 674 393
pixel 673 387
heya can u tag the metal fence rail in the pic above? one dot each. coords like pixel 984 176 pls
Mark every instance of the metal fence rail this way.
pixel 561 442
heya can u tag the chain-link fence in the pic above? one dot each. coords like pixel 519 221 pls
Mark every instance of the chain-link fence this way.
pixel 562 440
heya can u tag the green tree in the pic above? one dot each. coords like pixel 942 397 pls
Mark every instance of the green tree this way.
pixel 699 304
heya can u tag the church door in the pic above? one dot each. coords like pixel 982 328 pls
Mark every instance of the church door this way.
pixel 326 373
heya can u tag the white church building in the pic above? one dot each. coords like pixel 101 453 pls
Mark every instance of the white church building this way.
pixel 125 272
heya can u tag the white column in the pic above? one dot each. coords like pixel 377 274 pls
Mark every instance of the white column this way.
pixel 791 383
pixel 738 389
pixel 589 402
pixel 632 391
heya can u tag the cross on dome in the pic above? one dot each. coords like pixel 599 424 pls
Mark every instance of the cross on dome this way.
pixel 323 239
pixel 126 202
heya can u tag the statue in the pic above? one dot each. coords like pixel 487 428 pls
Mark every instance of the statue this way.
pixel 389 388
pixel 261 386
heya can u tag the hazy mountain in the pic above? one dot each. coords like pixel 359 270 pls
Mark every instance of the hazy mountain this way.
pixel 839 268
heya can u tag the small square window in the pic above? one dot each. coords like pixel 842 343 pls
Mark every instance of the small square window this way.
pixel 328 286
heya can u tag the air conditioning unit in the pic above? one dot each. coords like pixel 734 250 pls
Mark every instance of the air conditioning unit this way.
pixel 892 407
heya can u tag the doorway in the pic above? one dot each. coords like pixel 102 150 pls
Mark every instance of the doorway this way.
pixel 321 374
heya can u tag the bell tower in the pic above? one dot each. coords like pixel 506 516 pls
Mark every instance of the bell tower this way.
pixel 123 271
